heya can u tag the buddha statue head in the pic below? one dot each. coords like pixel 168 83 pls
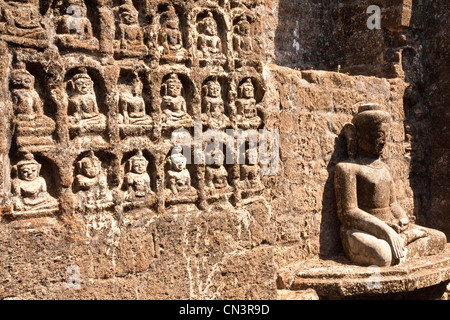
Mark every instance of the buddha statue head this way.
pixel 246 89
pixel 177 159
pixel 172 86
pixel 208 25
pixel 137 163
pixel 366 135
pixel 89 166
pixel 82 83
pixel 20 78
pixel 28 168
pixel 128 14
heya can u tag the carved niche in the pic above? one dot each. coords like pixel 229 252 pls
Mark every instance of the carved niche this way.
pixel 90 184
pixel 218 190
pixel 73 27
pixel 213 105
pixel 246 106
pixel 210 47
pixel 30 197
pixel 21 23
pixel 170 38
pixel 245 48
pixel 129 33
pixel 173 104
pixel 133 118
pixel 32 126
pixel 85 117
pixel 179 192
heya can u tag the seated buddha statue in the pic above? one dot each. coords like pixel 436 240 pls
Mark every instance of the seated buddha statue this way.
pixel 209 44
pixel 213 106
pixel 32 126
pixel 173 104
pixel 137 180
pixel 73 27
pixel 132 107
pixel 85 117
pixel 91 183
pixel 129 34
pixel 170 40
pixel 178 178
pixel 29 189
pixel 246 108
pixel 250 180
pixel 21 22
pixel 375 229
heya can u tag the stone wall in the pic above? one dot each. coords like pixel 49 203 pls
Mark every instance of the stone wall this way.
pixel 203 244
pixel 313 106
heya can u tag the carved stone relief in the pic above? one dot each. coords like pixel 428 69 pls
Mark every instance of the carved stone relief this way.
pixel 114 93
pixel 21 23
pixel 32 126
pixel 73 28
pixel 29 190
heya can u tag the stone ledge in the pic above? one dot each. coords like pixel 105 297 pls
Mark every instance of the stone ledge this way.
pixel 338 278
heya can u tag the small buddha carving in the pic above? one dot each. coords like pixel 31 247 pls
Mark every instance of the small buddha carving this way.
pixel 85 117
pixel 217 188
pixel 129 35
pixel 31 123
pixel 137 180
pixel 21 19
pixel 132 105
pixel 73 28
pixel 209 44
pixel 178 178
pixel 246 108
pixel 173 104
pixel 170 39
pixel 242 38
pixel 29 189
pixel 250 180
pixel 213 105
pixel 91 183
pixel 216 176
pixel 375 229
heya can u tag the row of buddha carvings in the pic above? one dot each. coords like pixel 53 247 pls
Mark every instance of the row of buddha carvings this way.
pixel 136 105
pixel 217 33
pixel 100 181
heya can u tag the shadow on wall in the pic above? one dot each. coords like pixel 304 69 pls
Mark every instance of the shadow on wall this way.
pixel 329 239
pixel 300 36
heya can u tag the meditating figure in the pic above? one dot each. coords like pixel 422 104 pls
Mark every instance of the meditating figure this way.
pixel 132 105
pixel 250 173
pixel 73 28
pixel 29 189
pixel 31 123
pixel 137 179
pixel 242 38
pixel 209 44
pixel 129 35
pixel 246 108
pixel 173 104
pixel 178 178
pixel 21 19
pixel 216 176
pixel 375 230
pixel 170 39
pixel 86 117
pixel 213 106
pixel 91 183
